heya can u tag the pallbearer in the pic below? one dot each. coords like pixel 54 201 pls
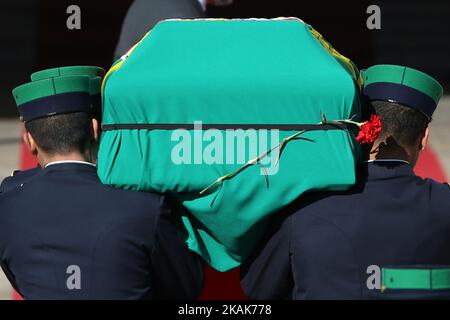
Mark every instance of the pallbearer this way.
pixel 96 74
pixel 388 237
pixel 64 235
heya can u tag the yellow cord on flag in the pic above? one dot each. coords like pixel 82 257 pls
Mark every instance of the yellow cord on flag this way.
pixel 356 74
pixel 117 66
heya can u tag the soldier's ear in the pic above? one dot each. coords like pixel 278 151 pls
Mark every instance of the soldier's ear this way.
pixel 25 139
pixel 95 129
pixel 424 141
pixel 29 142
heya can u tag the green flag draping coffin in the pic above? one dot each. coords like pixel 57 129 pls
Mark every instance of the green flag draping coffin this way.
pixel 197 100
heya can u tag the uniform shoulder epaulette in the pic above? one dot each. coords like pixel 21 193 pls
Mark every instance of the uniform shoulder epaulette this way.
pixel 4 182
pixel 14 172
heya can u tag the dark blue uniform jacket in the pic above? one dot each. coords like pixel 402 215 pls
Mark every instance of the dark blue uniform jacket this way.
pixel 329 245
pixel 64 235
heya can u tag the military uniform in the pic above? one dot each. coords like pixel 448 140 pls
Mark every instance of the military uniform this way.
pixel 65 235
pixel 331 244
pixel 123 242
pixel 387 237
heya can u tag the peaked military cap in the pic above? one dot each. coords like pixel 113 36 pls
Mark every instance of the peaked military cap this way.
pixel 90 71
pixel 95 73
pixel 403 85
pixel 53 96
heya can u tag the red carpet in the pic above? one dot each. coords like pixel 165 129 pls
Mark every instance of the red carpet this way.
pixel 28 161
pixel 430 167
pixel 226 285
pixel 222 286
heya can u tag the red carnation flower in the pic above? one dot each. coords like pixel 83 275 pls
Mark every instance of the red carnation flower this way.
pixel 370 130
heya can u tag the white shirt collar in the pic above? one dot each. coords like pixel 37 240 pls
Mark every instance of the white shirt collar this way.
pixel 387 160
pixel 69 161
pixel 203 4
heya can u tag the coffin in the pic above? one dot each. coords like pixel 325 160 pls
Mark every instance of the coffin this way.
pixel 196 100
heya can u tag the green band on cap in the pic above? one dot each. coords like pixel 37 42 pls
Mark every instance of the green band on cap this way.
pixel 405 76
pixel 90 71
pixel 95 86
pixel 49 87
pixel 416 279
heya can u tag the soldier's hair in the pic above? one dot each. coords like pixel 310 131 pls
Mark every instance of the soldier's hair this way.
pixel 403 123
pixel 62 134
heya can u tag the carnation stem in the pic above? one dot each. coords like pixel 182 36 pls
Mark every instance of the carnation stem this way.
pixel 280 146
